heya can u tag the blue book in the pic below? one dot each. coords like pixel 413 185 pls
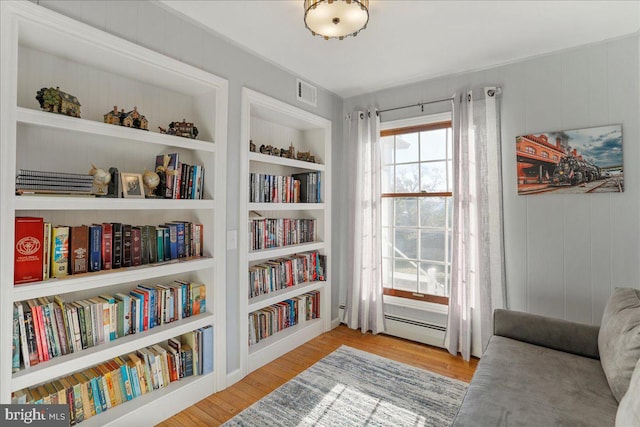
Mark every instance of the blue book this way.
pixel 97 399
pixel 167 243
pixel 139 305
pixel 160 243
pixel 207 350
pixel 173 240
pixel 124 370
pixel 95 247
pixel 181 238
pixel 137 391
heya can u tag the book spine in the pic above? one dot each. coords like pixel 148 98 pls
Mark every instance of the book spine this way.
pixel 46 251
pixel 136 246
pixel 116 248
pixel 126 245
pixel 28 252
pixel 79 254
pixel 144 244
pixel 95 245
pixel 107 245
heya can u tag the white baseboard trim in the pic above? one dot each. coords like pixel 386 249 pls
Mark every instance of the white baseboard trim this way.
pixel 234 377
pixel 335 322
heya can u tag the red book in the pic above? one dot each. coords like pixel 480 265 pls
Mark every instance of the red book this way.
pixel 136 246
pixel 107 240
pixel 29 235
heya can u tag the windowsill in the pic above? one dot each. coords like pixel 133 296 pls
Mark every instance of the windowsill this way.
pixel 417 305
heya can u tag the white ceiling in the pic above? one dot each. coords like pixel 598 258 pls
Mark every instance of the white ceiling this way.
pixel 408 41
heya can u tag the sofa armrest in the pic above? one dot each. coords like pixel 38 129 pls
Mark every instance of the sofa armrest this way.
pixel 570 337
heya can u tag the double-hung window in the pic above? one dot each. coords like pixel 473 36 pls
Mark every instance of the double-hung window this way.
pixel 417 202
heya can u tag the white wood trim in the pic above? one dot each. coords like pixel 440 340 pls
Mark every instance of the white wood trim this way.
pixel 416 121
pixel 104 278
pixel 286 206
pixel 47 203
pixel 29 25
pixel 265 108
pixel 256 303
pixel 284 251
pixel 283 161
pixel 29 117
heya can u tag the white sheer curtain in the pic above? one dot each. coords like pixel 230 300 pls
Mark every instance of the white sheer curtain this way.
pixel 477 276
pixel 364 308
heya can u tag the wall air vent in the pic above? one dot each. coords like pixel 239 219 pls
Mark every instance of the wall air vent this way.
pixel 306 93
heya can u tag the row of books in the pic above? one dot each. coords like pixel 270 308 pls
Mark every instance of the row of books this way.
pixel 277 317
pixel 43 251
pixel 265 233
pixel 44 329
pixel 282 273
pixel 97 389
pixel 53 182
pixel 181 180
pixel 296 188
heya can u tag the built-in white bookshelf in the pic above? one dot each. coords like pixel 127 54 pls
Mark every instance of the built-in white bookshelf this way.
pixel 42 49
pixel 270 122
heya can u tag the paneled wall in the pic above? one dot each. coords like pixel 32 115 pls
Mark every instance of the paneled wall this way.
pixel 564 253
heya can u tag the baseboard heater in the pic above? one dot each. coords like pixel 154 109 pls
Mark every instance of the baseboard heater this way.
pixel 412 329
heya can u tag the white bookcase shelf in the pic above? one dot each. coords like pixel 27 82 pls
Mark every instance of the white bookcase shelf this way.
pixel 67 364
pixel 40 48
pixel 267 121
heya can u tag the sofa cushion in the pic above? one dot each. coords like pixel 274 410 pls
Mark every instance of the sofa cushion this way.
pixel 629 409
pixel 619 338
pixel 521 384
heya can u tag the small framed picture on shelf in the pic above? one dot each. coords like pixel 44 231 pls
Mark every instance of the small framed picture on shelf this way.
pixel 132 185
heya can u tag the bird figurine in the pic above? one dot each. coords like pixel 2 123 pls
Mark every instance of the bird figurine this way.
pixel 101 178
pixel 150 180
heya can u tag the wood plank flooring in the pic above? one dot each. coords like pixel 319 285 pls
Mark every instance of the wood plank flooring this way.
pixel 220 407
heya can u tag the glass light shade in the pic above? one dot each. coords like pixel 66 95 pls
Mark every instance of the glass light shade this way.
pixel 336 18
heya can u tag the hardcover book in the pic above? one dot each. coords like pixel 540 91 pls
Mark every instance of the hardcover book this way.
pixel 79 255
pixel 126 245
pixel 107 245
pixel 95 248
pixel 136 246
pixel 46 252
pixel 116 248
pixel 59 251
pixel 28 258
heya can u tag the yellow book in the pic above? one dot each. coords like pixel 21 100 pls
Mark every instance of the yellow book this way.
pixel 59 251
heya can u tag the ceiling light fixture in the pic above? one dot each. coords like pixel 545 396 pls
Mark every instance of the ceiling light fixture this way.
pixel 336 19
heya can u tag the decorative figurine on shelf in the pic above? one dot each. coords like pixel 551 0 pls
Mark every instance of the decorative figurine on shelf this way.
pixel 266 149
pixel 252 146
pixel 275 152
pixel 151 180
pixel 184 129
pixel 56 101
pixel 133 119
pixel 306 156
pixel 290 153
pixel 101 178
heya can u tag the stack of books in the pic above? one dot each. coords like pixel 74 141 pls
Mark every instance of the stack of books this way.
pixel 34 181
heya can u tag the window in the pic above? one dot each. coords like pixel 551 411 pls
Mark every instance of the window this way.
pixel 417 207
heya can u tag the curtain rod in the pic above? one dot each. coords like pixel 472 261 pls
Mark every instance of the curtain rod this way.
pixel 421 104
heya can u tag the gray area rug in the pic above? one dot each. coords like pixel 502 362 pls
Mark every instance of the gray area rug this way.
pixel 351 387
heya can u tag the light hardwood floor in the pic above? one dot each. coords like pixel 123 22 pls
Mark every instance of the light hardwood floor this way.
pixel 220 407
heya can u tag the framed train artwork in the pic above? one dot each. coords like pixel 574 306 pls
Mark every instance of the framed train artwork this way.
pixel 579 161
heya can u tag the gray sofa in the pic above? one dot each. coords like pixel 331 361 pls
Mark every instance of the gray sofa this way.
pixel 539 371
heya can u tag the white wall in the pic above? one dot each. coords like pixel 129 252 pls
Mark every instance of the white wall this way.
pixel 150 25
pixel 564 254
